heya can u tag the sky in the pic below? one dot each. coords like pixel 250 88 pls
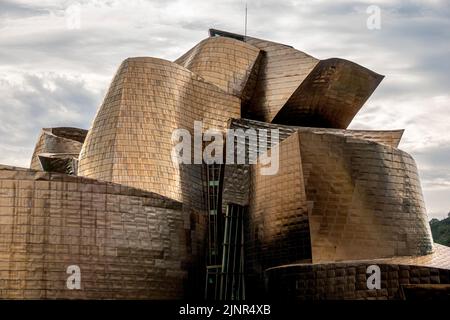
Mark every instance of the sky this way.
pixel 57 59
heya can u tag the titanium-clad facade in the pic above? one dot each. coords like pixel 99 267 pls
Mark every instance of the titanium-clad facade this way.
pixel 130 141
pixel 112 201
pixel 128 243
pixel 64 141
pixel 224 62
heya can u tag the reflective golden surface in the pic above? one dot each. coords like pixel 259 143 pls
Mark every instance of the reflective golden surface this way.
pixel 128 243
pixel 136 222
pixel 130 139
pixel 58 140
pixel 225 62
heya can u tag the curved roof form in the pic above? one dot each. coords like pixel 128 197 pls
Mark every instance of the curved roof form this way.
pixel 225 62
pixel 330 96
pixel 59 162
pixel 333 201
pixel 281 72
pixel 365 199
pixel 297 89
pixel 390 138
pixel 236 178
pixel 130 141
pixel 65 140
pixel 438 258
pixel 359 199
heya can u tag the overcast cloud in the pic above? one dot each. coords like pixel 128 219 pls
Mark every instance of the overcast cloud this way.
pixel 51 75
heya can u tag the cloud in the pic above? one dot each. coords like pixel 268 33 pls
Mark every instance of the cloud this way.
pixel 52 75
pixel 15 10
pixel 34 101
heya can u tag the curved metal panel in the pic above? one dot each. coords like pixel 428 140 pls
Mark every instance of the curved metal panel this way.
pixel 130 141
pixel 330 96
pixel 365 199
pixel 64 140
pixel 224 62
pixel 128 243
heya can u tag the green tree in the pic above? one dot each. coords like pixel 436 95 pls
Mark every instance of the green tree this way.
pixel 441 230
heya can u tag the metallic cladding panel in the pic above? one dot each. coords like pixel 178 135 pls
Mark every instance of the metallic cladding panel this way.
pixel 365 199
pixel 348 281
pixel 57 140
pixel 297 89
pixel 224 62
pixel 339 195
pixel 129 243
pixel 281 72
pixel 62 163
pixel 330 96
pixel 387 137
pixel 277 228
pixel 236 176
pixel 130 140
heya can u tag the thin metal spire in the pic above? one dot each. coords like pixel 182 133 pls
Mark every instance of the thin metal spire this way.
pixel 245 30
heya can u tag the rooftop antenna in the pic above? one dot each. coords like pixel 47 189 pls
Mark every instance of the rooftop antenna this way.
pixel 245 24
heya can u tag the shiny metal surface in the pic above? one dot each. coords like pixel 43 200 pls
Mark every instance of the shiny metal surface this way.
pixel 128 243
pixel 130 140
pixel 57 140
pixel 137 223
pixel 298 89
pixel 224 62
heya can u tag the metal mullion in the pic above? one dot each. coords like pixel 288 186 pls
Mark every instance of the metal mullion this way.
pixel 216 247
pixel 235 247
pixel 216 285
pixel 224 253
pixel 229 247
pixel 206 284
pixel 209 214
pixel 242 260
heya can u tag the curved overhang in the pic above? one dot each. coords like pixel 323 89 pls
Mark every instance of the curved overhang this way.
pixel 224 62
pixel 59 162
pixel 330 96
pixel 281 71
pixel 365 199
pixel 295 88
pixel 387 137
pixel 236 176
pixel 438 258
pixel 424 277
pixel 65 140
pixel 360 200
pixel 130 141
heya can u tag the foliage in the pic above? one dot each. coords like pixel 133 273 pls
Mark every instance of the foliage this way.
pixel 441 231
